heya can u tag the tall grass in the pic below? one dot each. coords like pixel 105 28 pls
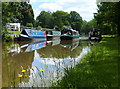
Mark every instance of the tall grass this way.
pixel 98 69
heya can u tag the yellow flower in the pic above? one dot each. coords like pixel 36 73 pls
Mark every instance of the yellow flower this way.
pixel 23 71
pixel 20 76
pixel 41 69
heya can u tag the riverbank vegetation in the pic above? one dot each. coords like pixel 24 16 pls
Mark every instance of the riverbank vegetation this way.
pixel 108 17
pixel 98 69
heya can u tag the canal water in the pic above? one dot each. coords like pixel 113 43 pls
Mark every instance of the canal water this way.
pixel 39 64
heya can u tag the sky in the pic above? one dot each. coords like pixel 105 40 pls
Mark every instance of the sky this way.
pixel 85 8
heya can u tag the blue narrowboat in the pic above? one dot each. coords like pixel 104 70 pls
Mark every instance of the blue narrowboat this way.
pixel 69 34
pixel 34 35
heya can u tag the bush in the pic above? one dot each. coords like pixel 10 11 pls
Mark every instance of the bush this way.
pixel 64 27
pixel 7 37
pixel 29 25
pixel 39 27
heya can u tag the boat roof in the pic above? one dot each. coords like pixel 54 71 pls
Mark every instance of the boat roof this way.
pixel 30 31
pixel 69 29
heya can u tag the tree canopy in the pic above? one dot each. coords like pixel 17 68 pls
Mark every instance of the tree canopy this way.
pixel 108 16
pixel 59 19
pixel 13 12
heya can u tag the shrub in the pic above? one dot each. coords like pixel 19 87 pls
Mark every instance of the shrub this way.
pixel 7 37
pixel 29 25
pixel 39 27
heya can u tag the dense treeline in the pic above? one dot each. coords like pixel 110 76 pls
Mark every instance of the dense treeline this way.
pixel 108 17
pixel 59 19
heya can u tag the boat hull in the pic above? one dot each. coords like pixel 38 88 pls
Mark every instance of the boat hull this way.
pixel 69 38
pixel 95 38
pixel 33 39
pixel 53 37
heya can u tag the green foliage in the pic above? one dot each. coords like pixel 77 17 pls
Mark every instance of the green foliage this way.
pixel 44 20
pixel 15 32
pixel 10 12
pixel 29 25
pixel 39 27
pixel 59 19
pixel 20 12
pixel 97 69
pixel 64 27
pixel 7 37
pixel 108 17
pixel 87 26
pixel 75 20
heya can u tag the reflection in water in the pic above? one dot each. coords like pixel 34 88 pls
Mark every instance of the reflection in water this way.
pixel 44 61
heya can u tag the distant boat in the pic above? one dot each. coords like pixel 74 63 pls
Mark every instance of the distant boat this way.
pixel 69 34
pixel 95 35
pixel 34 35
pixel 53 34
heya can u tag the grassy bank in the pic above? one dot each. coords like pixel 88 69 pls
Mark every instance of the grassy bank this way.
pixel 98 69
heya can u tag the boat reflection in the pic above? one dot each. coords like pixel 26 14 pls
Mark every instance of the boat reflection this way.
pixel 53 69
pixel 70 44
pixel 44 61
pixel 54 42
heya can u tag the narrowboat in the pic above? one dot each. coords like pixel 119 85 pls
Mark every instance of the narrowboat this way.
pixel 95 35
pixel 53 35
pixel 69 34
pixel 34 35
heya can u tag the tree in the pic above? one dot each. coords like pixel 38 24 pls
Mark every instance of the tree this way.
pixel 45 19
pixel 27 13
pixel 29 25
pixel 61 18
pixel 87 26
pixel 75 20
pixel 13 12
pixel 108 17
pixel 10 12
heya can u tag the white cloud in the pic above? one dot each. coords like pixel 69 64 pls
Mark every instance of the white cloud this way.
pixel 50 7
pixel 47 7
pixel 85 8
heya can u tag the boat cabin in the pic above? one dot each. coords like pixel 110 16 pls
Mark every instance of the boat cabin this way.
pixel 29 34
pixel 68 31
pixel 95 34
pixel 69 34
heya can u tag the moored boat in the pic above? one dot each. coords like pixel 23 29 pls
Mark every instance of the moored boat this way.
pixel 53 35
pixel 34 35
pixel 69 34
pixel 95 35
